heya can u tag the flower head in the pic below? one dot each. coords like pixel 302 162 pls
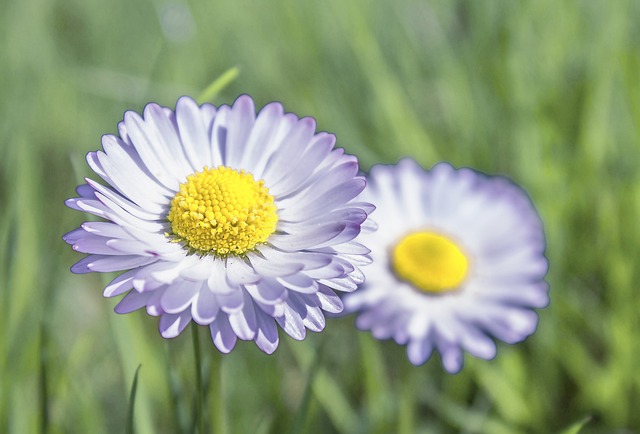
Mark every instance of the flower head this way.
pixel 458 259
pixel 224 217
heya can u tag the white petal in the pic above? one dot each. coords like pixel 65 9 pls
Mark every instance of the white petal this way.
pixel 313 205
pixel 75 235
pixel 102 263
pixel 218 137
pixel 105 229
pixel 193 132
pixel 273 269
pixel 232 302
pixel 162 127
pixel 132 302
pixel 419 350
pixel 120 284
pixel 120 216
pixel 243 321
pixel 328 300
pixel 92 206
pixel 263 132
pixel 155 158
pixel 312 316
pixel 291 323
pixel 282 128
pixel 161 271
pixel 171 325
pixel 340 284
pixel 128 174
pixel 239 272
pixel 239 124
pixel 299 283
pixel 297 177
pixel 179 296
pixel 267 332
pixel 204 308
pixel 222 335
pixel 153 303
pixel 452 358
pixel 309 239
pixel 95 245
pixel 268 291
pixel 290 151
pixel 201 268
pixel 217 280
pixel 478 344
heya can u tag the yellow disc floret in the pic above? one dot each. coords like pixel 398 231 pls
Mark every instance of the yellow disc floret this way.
pixel 430 262
pixel 222 212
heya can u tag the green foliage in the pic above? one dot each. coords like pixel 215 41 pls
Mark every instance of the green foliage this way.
pixel 545 92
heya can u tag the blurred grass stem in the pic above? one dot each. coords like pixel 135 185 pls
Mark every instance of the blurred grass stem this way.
pixel 305 403
pixel 44 392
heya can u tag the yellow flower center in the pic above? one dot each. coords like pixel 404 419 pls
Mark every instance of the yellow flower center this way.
pixel 430 262
pixel 222 212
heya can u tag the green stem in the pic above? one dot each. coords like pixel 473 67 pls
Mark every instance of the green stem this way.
pixel 406 412
pixel 216 390
pixel 198 368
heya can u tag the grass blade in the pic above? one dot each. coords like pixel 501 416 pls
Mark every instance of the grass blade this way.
pixel 577 427
pixel 218 84
pixel 303 409
pixel 328 392
pixel 132 400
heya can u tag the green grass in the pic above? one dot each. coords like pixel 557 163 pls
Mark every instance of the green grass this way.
pixel 545 92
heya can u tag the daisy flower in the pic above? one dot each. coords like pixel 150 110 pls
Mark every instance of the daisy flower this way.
pixel 234 220
pixel 458 259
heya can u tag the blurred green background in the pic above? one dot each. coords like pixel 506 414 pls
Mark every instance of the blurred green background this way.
pixel 546 92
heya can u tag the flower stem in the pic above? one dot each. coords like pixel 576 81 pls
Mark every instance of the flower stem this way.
pixel 218 419
pixel 198 368
pixel 407 403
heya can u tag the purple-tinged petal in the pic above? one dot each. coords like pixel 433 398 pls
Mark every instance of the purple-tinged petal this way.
pixel 243 321
pixel 291 323
pixel 204 308
pixel 132 302
pixel 267 332
pixel 120 284
pixel 179 296
pixel 222 335
pixel 171 325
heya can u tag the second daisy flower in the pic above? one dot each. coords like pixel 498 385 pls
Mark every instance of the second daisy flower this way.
pixel 458 259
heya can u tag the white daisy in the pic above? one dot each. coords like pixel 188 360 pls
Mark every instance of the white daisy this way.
pixel 458 259
pixel 229 219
